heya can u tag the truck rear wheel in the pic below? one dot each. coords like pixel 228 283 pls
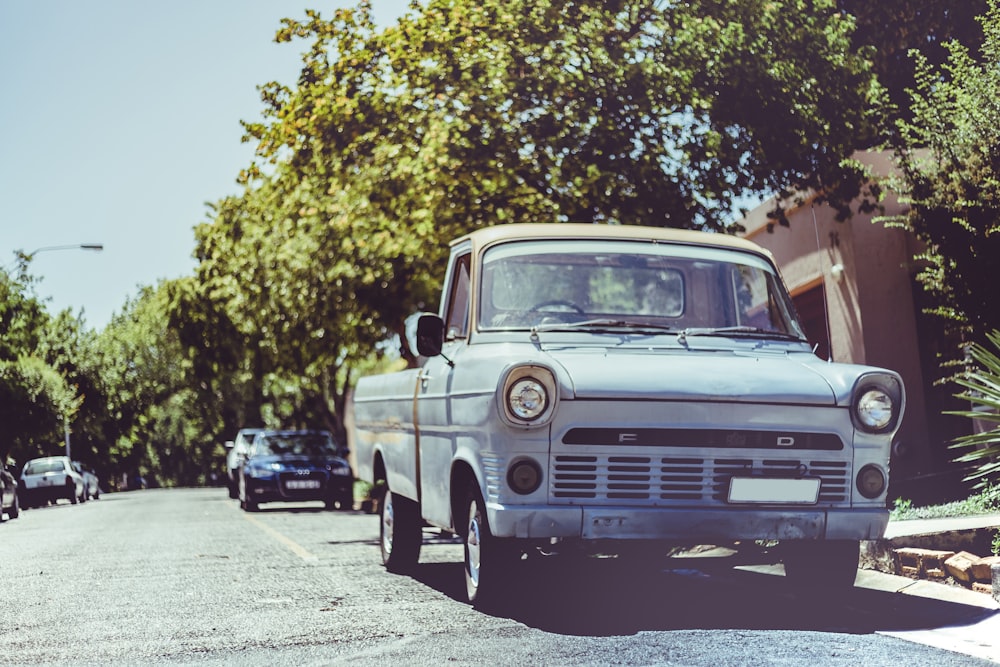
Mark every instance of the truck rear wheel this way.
pixel 400 532
pixel 827 564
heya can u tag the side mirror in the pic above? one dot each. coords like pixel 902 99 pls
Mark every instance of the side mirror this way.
pixel 230 444
pixel 430 335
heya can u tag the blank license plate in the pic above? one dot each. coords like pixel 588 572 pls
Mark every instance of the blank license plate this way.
pixel 302 484
pixel 773 490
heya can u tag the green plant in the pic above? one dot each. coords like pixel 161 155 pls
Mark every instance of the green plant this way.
pixel 901 507
pixel 982 389
pixel 996 543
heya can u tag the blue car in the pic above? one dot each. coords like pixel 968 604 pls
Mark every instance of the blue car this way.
pixel 294 466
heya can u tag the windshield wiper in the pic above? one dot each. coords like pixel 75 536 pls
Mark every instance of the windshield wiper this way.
pixel 599 324
pixel 737 330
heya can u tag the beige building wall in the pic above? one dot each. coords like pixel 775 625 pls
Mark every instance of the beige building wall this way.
pixel 864 270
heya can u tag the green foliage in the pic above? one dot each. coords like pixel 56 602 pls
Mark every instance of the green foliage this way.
pixel 982 390
pixel 888 31
pixel 948 152
pixel 34 400
pixel 986 501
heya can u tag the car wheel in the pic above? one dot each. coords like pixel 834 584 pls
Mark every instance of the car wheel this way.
pixel 400 532
pixel 15 511
pixel 487 559
pixel 347 500
pixel 826 564
pixel 234 489
pixel 71 493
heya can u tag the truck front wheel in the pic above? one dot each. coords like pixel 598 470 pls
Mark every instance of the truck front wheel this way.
pixel 400 532
pixel 826 564
pixel 488 559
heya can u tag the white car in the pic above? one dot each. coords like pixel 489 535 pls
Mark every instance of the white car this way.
pixel 236 455
pixel 46 480
pixel 91 482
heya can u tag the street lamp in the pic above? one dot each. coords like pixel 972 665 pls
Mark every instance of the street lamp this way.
pixel 22 259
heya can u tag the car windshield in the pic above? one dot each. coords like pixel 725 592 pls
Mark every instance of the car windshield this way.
pixel 298 444
pixel 43 466
pixel 582 283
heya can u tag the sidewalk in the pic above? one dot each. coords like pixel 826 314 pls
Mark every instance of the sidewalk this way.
pixel 980 636
pixel 925 527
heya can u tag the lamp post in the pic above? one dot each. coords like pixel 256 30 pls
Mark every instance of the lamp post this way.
pixel 22 259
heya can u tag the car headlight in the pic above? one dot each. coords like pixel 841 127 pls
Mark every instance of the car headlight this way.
pixel 874 409
pixel 527 399
pixel 528 395
pixel 878 403
pixel 339 470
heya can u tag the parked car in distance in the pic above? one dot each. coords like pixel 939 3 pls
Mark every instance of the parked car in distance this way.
pixel 294 466
pixel 236 454
pixel 46 480
pixel 9 502
pixel 91 483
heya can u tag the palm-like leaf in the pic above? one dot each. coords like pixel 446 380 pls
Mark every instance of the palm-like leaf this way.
pixel 982 390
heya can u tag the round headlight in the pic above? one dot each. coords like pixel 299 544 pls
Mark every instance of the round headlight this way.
pixel 527 399
pixel 524 476
pixel 871 481
pixel 874 409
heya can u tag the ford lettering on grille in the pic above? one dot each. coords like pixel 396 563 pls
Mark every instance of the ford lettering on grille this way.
pixel 691 437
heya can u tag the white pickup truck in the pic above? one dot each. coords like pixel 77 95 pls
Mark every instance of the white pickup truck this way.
pixel 619 389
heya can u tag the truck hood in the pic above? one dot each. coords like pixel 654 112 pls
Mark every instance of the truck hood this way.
pixel 729 376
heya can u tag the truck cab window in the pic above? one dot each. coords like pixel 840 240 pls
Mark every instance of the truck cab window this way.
pixel 457 317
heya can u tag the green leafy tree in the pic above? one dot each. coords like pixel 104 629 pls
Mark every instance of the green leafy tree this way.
pixel 468 114
pixel 889 30
pixel 949 159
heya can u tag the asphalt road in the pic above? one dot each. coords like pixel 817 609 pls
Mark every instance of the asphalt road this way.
pixel 182 576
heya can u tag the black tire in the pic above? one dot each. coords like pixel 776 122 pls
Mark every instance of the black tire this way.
pixel 400 532
pixel 234 489
pixel 827 564
pixel 71 493
pixel 347 500
pixel 15 511
pixel 246 503
pixel 488 560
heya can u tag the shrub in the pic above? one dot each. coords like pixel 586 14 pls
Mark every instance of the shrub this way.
pixel 982 390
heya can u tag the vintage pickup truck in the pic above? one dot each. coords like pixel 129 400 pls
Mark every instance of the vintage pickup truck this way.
pixel 614 388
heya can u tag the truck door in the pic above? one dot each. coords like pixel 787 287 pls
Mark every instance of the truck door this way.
pixel 436 425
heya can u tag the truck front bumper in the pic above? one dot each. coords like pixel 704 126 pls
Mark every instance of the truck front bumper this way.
pixel 688 525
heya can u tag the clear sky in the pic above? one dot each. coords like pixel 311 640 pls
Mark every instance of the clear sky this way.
pixel 119 121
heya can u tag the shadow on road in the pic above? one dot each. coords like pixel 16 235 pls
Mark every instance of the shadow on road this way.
pixel 606 598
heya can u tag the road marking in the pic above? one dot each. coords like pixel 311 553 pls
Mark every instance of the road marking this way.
pixel 294 546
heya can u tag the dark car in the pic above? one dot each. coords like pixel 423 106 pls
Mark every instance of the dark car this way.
pixel 293 466
pixel 9 503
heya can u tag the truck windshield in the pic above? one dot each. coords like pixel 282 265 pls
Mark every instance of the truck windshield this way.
pixel 526 284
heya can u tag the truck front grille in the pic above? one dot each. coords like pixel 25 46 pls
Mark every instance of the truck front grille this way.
pixel 640 480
